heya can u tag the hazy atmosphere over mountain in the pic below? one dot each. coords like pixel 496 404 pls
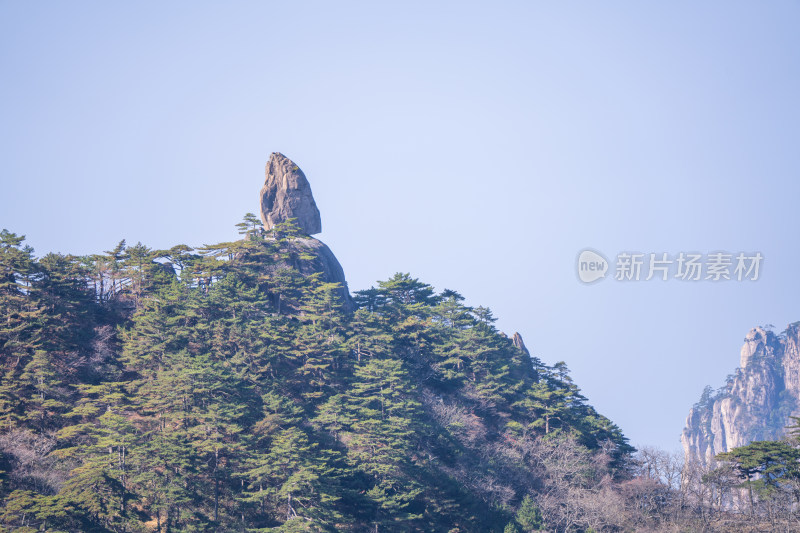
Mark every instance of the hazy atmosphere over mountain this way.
pixel 478 147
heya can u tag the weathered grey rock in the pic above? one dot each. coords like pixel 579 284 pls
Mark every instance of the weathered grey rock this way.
pixel 307 256
pixel 755 403
pixel 520 344
pixel 324 261
pixel 287 194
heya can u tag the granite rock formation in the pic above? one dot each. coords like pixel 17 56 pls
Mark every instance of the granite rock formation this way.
pixel 324 261
pixel 756 401
pixel 520 344
pixel 287 194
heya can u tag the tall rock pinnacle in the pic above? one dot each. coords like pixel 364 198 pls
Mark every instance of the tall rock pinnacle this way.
pixel 287 194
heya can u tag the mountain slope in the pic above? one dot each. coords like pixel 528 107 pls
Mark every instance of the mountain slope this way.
pixel 224 389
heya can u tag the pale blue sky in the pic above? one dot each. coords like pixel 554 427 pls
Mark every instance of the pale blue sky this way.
pixel 479 147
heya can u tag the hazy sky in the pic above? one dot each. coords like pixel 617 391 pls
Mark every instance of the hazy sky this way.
pixel 479 147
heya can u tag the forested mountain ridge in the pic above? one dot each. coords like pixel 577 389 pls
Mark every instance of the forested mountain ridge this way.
pixel 239 387
pixel 222 389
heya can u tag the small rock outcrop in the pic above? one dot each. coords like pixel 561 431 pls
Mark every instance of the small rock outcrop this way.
pixel 287 194
pixel 520 344
pixel 755 403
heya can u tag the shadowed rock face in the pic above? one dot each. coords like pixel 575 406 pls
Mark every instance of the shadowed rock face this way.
pixel 324 261
pixel 287 194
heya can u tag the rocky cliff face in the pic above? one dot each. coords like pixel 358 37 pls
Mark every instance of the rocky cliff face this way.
pixel 286 194
pixel 756 401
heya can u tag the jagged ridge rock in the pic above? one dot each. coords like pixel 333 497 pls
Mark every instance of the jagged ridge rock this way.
pixel 756 402
pixel 287 194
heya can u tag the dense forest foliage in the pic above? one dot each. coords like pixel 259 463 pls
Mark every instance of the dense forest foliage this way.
pixel 219 389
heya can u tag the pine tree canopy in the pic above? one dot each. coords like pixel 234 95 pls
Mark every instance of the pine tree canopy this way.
pixel 219 389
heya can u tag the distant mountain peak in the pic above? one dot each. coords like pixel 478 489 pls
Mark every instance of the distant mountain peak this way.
pixel 756 402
